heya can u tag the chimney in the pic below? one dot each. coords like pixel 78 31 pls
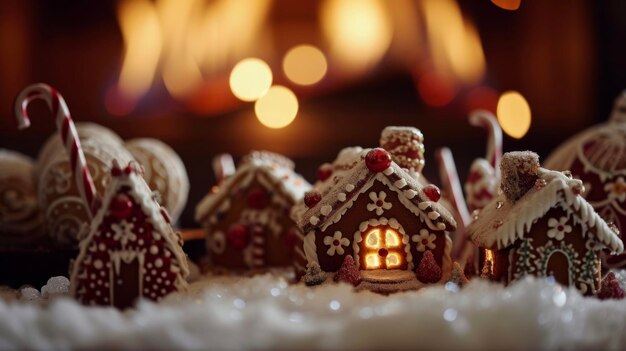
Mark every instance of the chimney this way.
pixel 405 145
pixel 519 171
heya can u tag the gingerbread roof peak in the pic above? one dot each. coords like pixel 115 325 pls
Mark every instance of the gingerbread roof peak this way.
pixel 341 190
pixel 502 222
pixel 406 146
pixel 275 171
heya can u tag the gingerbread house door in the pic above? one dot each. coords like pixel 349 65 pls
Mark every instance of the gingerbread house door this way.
pixel 382 248
pixel 126 282
pixel 558 267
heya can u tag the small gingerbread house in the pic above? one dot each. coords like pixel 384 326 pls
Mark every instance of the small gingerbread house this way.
pixel 247 217
pixel 372 209
pixel 131 250
pixel 541 225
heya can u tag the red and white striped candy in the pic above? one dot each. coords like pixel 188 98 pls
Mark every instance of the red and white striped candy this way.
pixel 487 120
pixel 258 246
pixel 68 133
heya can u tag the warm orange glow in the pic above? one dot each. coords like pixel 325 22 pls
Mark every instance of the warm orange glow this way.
pixel 250 79
pixel 514 114
pixel 488 255
pixel 372 261
pixel 454 42
pixel 359 32
pixel 383 248
pixel 139 23
pixel 278 108
pixel 305 65
pixel 510 5
pixel 436 89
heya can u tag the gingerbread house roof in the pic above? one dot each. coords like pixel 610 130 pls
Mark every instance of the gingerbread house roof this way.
pixel 155 215
pixel 502 222
pixel 274 171
pixel 339 192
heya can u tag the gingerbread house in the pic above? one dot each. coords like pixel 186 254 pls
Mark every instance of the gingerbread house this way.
pixel 374 210
pixel 597 156
pixel 541 225
pixel 247 216
pixel 131 250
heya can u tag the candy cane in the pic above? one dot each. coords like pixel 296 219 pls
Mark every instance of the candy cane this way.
pixel 69 136
pixel 487 120
pixel 258 246
pixel 452 187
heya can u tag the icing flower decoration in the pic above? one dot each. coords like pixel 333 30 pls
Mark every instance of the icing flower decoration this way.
pixel 617 189
pixel 123 231
pixel 378 203
pixel 336 243
pixel 425 240
pixel 558 228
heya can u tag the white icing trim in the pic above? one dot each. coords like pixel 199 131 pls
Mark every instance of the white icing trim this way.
pixel 310 248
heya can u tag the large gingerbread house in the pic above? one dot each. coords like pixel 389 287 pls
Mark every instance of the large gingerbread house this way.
pixel 247 217
pixel 541 225
pixel 597 156
pixel 131 250
pixel 372 209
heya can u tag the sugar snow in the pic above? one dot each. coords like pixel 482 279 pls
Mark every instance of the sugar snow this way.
pixel 265 312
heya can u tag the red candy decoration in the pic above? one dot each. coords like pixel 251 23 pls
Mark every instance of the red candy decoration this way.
pixel 324 172
pixel 121 206
pixel 311 198
pixel 258 198
pixel 377 160
pixel 432 192
pixel 428 271
pixel 238 237
pixel 610 288
pixel 348 272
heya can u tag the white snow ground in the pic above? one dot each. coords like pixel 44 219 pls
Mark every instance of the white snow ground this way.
pixel 264 312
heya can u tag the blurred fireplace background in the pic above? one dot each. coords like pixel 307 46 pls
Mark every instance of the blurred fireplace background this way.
pixel 161 69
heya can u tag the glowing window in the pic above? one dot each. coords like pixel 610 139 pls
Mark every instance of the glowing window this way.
pixel 383 249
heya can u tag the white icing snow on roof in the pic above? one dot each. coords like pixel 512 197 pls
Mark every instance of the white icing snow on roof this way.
pixel 502 222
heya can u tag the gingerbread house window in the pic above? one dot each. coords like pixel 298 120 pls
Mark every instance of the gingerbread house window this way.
pixel 383 249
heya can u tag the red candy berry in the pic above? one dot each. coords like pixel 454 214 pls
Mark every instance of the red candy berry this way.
pixel 348 272
pixel 258 198
pixel 238 237
pixel 324 172
pixel 428 271
pixel 121 206
pixel 610 288
pixel 377 160
pixel 311 198
pixel 432 192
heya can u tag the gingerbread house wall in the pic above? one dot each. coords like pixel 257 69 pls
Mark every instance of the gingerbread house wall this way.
pixel 277 252
pixel 358 213
pixel 573 249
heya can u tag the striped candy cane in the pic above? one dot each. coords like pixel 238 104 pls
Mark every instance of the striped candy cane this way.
pixel 69 136
pixel 258 246
pixel 487 120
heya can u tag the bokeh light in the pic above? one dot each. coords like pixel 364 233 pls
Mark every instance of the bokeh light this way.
pixel 514 114
pixel 250 79
pixel 510 5
pixel 436 89
pixel 359 32
pixel 305 65
pixel 278 108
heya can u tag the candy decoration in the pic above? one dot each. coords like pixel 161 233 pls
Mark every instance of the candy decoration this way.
pixel 457 276
pixel 66 128
pixel 258 198
pixel 405 145
pixel 238 237
pixel 348 273
pixel 314 275
pixel 487 120
pixel 428 271
pixel 324 171
pixel 121 207
pixel 432 192
pixel 377 160
pixel 311 198
pixel 258 246
pixel 610 288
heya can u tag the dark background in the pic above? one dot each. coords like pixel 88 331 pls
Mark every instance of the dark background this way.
pixel 565 57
